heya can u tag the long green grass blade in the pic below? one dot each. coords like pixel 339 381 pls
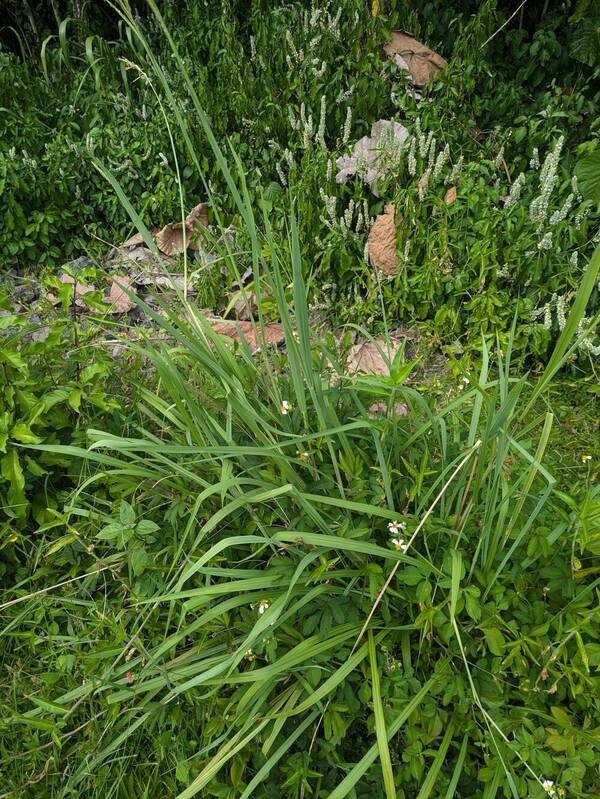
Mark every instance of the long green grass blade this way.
pixel 380 729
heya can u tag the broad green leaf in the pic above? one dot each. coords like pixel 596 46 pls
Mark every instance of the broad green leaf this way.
pixel 126 513
pixel 587 170
pixel 495 640
pixel 23 433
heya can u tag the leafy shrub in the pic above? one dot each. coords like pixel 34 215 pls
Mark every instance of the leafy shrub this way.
pixel 51 391
pixel 289 111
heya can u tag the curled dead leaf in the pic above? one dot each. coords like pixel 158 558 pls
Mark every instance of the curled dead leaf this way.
pixel 450 195
pixel 422 62
pixel 138 240
pixel 170 238
pixel 373 155
pixel 381 243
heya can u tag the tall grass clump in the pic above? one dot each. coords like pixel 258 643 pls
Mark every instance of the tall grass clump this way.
pixel 292 581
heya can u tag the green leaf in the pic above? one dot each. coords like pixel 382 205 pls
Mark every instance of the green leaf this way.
pixel 495 640
pixel 74 398
pixel 455 584
pixel 110 532
pixel 126 513
pixel 182 771
pixel 587 170
pixel 10 320
pixel 12 471
pixel 138 559
pixel 585 42
pixel 146 527
pixel 22 432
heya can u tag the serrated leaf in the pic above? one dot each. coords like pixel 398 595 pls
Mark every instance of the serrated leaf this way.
pixel 182 771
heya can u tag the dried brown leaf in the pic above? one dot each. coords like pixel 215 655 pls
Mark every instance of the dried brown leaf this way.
pixel 366 357
pixel 382 243
pixel 138 239
pixel 271 333
pixel 399 408
pixel 422 62
pixel 117 297
pixel 450 195
pixel 171 238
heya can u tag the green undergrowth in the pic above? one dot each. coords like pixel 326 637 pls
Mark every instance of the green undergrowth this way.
pixel 505 124
pixel 245 572
pixel 286 580
pixel 221 609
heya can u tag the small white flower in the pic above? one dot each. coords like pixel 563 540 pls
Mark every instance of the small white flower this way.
pixel 395 527
pixel 586 458
pixel 263 605
pixel 466 381
pixel 548 786
pixel 305 456
pixel 285 407
pixel 400 544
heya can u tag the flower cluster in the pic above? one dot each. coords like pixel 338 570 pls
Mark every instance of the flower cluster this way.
pixel 561 214
pixel 548 179
pixel 395 529
pixel 515 191
pixel 456 170
pixel 440 161
pixel 354 219
pixel 321 129
pixel 347 126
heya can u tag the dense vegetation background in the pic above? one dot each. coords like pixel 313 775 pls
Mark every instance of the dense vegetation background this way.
pixel 265 572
